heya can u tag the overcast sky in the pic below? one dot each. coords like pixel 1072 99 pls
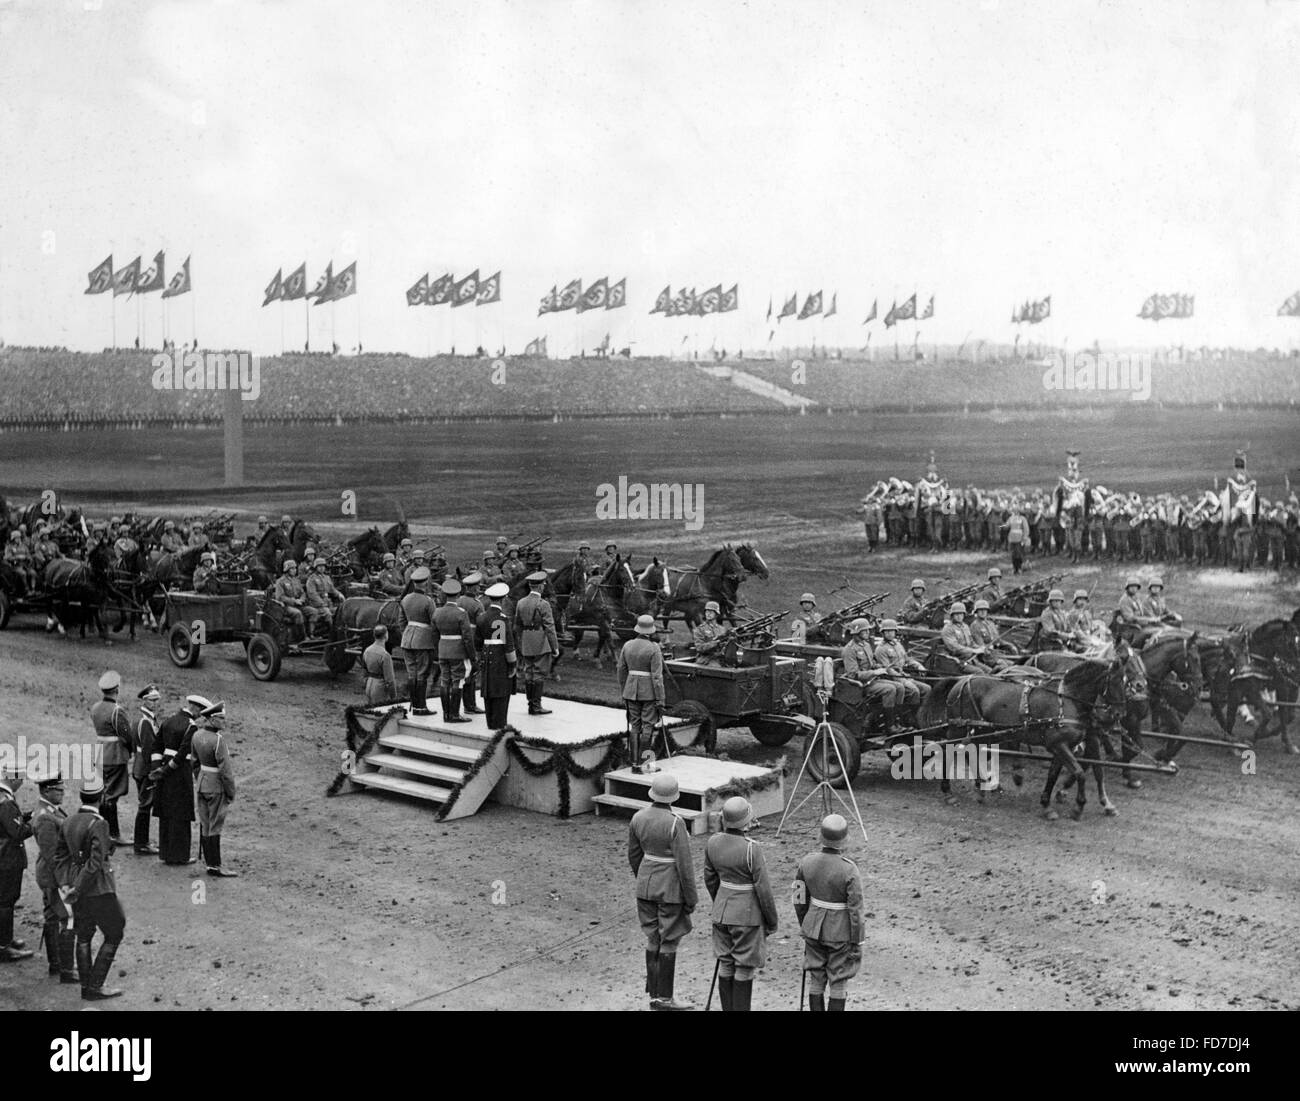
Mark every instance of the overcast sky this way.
pixel 984 151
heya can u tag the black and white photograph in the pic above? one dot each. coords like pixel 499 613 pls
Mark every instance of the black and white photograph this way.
pixel 598 506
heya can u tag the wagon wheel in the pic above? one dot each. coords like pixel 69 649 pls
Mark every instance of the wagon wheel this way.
pixel 5 609
pixel 264 657
pixel 337 659
pixel 696 712
pixel 181 647
pixel 777 731
pixel 850 753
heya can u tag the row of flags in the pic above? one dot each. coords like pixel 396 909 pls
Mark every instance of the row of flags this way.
pixel 600 295
pixel 1160 306
pixel 449 290
pixel 131 280
pixel 812 307
pixel 1033 311
pixel 687 303
pixel 328 288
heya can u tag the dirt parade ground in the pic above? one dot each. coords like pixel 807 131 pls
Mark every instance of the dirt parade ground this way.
pixel 1186 899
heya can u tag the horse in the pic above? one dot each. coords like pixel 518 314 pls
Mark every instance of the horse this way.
pixel 85 586
pixel 584 605
pixel 353 625
pixel 627 596
pixel 266 553
pixel 1055 714
pixel 718 579
pixel 300 534
pixel 394 535
pixel 1256 671
pixel 365 552
pixel 1172 662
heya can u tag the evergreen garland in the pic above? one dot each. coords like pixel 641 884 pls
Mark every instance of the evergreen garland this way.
pixel 561 761
pixel 488 751
pixel 359 742
pixel 747 786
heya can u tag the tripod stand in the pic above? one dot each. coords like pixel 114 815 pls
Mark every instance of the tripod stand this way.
pixel 823 742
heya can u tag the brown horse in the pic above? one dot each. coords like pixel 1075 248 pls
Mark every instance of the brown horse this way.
pixel 718 579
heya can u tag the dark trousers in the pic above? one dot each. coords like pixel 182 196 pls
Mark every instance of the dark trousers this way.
pixel 11 886
pixel 418 665
pixel 102 912
pixel 144 805
pixel 173 840
pixel 498 708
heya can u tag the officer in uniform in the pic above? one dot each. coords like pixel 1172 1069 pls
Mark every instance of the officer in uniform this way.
pixel 535 637
pixel 323 597
pixel 892 656
pixel 47 825
pixel 992 591
pixel 1155 607
pixel 744 909
pixel 860 666
pixel 828 904
pixel 496 646
pixel 216 789
pixel 455 638
pixel 806 618
pixel 959 642
pixel 146 756
pixel 913 609
pixel 659 851
pixel 84 868
pixel 113 729
pixel 1055 625
pixel 381 681
pixel 710 637
pixel 205 580
pixel 641 678
pixel 419 643
pixel 470 600
pixel 288 592
pixel 15 829
pixel 1080 621
pixel 986 635
pixel 389 581
pixel 173 796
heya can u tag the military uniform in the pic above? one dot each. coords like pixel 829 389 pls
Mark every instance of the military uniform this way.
pixel 535 637
pixel 641 678
pixel 1131 610
pixel 289 592
pixel 381 681
pixel 1081 625
pixel 659 852
pixel 147 756
pixel 15 828
pixel 1054 626
pixel 828 904
pixel 860 666
pixel 1017 537
pixel 205 579
pixel 170 542
pixel 419 645
pixel 709 639
pixel 893 657
pixel 497 647
pixel 389 581
pixel 60 940
pixel 806 622
pixel 960 643
pixel 113 729
pixel 84 862
pixel 173 798
pixel 216 791
pixel 985 634
pixel 471 601
pixel 913 609
pixel 744 912
pixel 455 637
pixel 322 598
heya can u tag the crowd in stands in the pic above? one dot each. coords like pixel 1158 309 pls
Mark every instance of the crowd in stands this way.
pixel 52 387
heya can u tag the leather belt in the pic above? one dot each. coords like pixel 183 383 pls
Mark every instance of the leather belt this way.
pixel 822 905
pixel 209 768
pixel 737 886
pixel 637 673
pixel 105 738
pixel 417 623
pixel 660 859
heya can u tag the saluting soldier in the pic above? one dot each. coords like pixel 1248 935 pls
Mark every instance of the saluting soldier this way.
pixel 47 825
pixel 216 790
pixel 389 580
pixel 113 729
pixel 146 756
pixel 641 678
pixel 959 642
pixel 84 867
pixel 744 909
pixel 497 646
pixel 535 633
pixel 828 904
pixel 913 609
pixel 1055 626
pixel 470 600
pixel 455 638
pixel 659 851
pixel 710 636
pixel 15 829
pixel 892 656
pixel 173 796
pixel 289 593
pixel 860 666
pixel 381 681
pixel 419 643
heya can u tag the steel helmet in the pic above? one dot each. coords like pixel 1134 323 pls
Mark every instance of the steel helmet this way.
pixel 289 564
pixel 1156 582
pixel 736 813
pixel 889 625
pixel 713 606
pixel 858 626
pixel 808 598
pixel 1133 582
pixel 309 550
pixel 1055 594
pixel 918 583
pixel 1081 594
pixel 207 556
pixel 389 557
pixel 834 830
pixel 584 545
pixel 957 607
pixel 981 606
pixel 994 572
pixel 664 788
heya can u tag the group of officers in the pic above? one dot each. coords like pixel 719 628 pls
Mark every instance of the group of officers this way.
pixel 74 863
pixel 827 897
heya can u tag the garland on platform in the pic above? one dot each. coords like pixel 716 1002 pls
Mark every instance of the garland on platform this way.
pixel 359 742
pixel 562 763
pixel 488 751
pixel 746 787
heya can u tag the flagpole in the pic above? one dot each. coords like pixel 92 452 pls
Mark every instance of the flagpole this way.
pixel 194 318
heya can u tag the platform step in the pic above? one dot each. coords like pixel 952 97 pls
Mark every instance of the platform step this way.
pixel 427 747
pixel 417 766
pixel 402 786
pixel 695 819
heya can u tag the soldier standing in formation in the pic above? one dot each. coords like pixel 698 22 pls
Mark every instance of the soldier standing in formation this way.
pixel 84 869
pixel 419 643
pixel 113 729
pixel 47 827
pixel 470 600
pixel 535 631
pixel 744 909
pixel 497 647
pixel 381 681
pixel 15 829
pixel 173 798
pixel 146 756
pixel 641 678
pixel 1017 527
pixel 216 790
pixel 455 638
pixel 659 851
pixel 828 903
pixel 710 636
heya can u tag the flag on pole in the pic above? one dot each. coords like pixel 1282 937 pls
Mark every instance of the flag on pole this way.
pixel 415 295
pixel 489 290
pixel 342 285
pixel 834 304
pixel 180 283
pixel 124 280
pixel 710 300
pixel 295 286
pixel 273 288
pixel 593 298
pixel 440 290
pixel 1289 308
pixel 1041 310
pixel 549 302
pixel 769 309
pixel 101 277
pixel 536 347
pixel 907 310
pixel 731 301
pixel 466 291
pixel 617 295
pixel 322 286
pixel 790 308
pixel 570 295
pixel 812 305
pixel 891 318
pixel 872 315
pixel 664 300
pixel 153 278
pixel 928 312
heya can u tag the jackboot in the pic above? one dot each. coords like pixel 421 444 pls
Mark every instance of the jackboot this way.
pixel 468 699
pixel 83 965
pixel 140 840
pixel 51 938
pixel 96 992
pixel 652 974
pixel 413 690
pixel 451 707
pixel 68 957
pixel 741 994
pixel 836 1005
pixel 214 859
pixel 109 811
pixel 891 726
pixel 817 1003
pixel 667 969
pixel 535 701
pixel 725 987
